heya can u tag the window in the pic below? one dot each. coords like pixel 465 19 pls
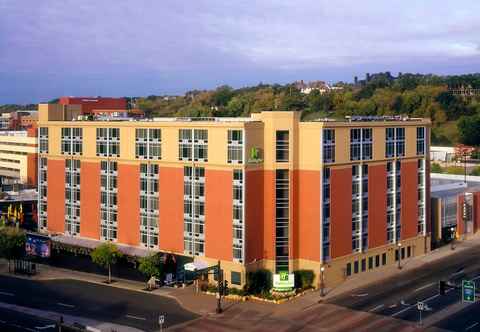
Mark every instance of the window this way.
pixel 326 215
pixel 108 200
pixel 194 210
pixel 355 267
pixel 364 265
pixel 235 147
pixel 349 269
pixel 409 251
pixel 360 144
pixel 282 219
pixel 200 145
pixel 328 145
pixel 148 143
pixel 384 259
pixel 149 198
pixel 370 262
pixel 420 141
pixel 377 260
pixel 72 197
pixel 43 140
pixel 236 278
pixel 238 224
pixel 71 142
pixel 282 145
pixel 108 142
pixel 400 142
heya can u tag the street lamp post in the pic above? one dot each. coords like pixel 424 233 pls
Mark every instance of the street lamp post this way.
pixel 399 245
pixel 322 281
pixel 452 235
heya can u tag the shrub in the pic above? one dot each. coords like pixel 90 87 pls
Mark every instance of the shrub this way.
pixel 304 278
pixel 455 170
pixel 475 171
pixel 259 281
pixel 436 168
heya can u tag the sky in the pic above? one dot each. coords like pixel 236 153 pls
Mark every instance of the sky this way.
pixel 52 48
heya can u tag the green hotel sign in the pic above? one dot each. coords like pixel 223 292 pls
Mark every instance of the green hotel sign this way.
pixel 255 155
pixel 283 281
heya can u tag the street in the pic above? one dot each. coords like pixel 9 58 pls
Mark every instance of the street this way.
pixel 467 319
pixel 397 297
pixel 88 300
pixel 15 321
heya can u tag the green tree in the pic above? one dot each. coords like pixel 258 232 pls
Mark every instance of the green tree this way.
pixel 469 129
pixel 106 255
pixel 151 266
pixel 436 168
pixel 12 243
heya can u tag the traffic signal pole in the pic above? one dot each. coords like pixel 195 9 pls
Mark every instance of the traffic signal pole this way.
pixel 219 289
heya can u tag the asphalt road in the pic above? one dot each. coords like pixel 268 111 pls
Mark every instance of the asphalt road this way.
pixel 19 322
pixel 397 296
pixel 467 319
pixel 98 302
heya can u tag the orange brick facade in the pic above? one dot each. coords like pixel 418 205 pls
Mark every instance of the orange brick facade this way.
pixel 261 225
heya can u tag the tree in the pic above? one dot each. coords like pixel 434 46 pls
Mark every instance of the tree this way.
pixel 469 129
pixel 106 255
pixel 151 266
pixel 12 243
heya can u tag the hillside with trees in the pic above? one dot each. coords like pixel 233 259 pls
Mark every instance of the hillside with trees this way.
pixel 455 118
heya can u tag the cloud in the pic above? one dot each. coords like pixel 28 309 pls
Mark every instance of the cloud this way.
pixel 172 46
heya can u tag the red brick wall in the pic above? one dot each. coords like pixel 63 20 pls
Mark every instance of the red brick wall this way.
pixel 306 221
pixel 91 103
pixel 90 200
pixel 171 209
pixel 56 196
pixel 253 215
pixel 269 214
pixel 341 212
pixel 409 199
pixel 377 205
pixel 218 214
pixel 128 204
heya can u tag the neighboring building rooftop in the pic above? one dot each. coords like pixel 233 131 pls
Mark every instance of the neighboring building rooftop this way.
pixel 443 185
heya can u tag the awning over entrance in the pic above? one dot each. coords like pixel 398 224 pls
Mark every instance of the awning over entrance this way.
pixel 92 244
pixel 195 266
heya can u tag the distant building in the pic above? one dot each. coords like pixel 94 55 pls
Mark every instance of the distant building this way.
pixel 455 207
pixel 442 153
pixel 89 104
pixel 320 86
pixel 18 156
pixel 464 91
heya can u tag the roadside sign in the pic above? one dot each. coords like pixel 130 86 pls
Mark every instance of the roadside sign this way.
pixel 421 306
pixel 283 281
pixel 468 291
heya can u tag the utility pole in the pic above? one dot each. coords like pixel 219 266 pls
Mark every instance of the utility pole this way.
pixel 399 245
pixel 322 282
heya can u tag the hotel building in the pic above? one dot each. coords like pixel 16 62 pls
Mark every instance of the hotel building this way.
pixel 268 191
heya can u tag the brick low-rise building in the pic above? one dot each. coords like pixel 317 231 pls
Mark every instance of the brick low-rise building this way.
pixel 268 191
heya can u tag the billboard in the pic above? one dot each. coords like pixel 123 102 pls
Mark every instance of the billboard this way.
pixel 39 246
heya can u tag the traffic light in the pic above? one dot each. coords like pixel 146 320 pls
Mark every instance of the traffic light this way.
pixel 225 288
pixel 441 287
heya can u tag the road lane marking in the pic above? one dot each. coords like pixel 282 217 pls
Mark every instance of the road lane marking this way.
pixel 425 286
pixel 471 326
pixel 135 317
pixel 7 294
pixel 66 305
pixel 51 326
pixel 392 305
pixel 360 295
pixel 376 308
